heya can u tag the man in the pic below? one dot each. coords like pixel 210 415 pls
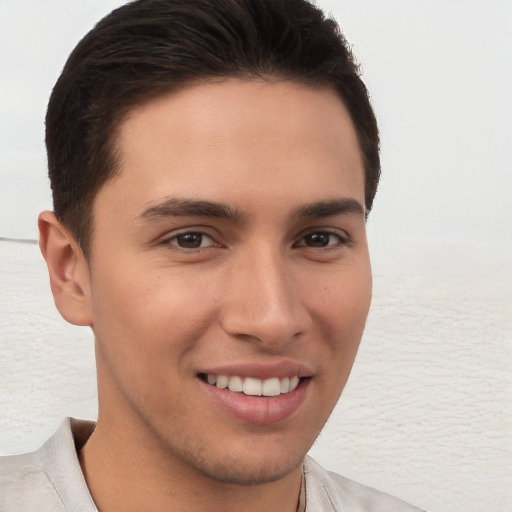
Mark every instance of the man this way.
pixel 212 167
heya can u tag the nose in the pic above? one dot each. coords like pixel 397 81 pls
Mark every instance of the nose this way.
pixel 262 301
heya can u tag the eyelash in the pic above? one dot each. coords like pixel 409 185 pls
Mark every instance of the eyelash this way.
pixel 342 240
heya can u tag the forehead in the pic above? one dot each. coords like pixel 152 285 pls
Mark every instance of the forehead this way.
pixel 228 138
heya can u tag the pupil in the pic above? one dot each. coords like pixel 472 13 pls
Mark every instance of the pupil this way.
pixel 317 239
pixel 190 240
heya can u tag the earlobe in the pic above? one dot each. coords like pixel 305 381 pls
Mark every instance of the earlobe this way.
pixel 68 270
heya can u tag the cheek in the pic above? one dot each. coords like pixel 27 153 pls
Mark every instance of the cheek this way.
pixel 146 329
pixel 343 303
pixel 149 313
pixel 341 316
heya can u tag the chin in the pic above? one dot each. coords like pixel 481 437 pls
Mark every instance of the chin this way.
pixel 244 462
pixel 249 472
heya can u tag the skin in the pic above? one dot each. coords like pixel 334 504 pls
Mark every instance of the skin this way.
pixel 275 283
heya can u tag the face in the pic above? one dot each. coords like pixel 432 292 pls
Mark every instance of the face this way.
pixel 229 276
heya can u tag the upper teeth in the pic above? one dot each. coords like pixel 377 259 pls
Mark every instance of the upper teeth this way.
pixel 254 387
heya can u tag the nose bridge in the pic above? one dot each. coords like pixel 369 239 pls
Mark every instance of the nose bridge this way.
pixel 263 301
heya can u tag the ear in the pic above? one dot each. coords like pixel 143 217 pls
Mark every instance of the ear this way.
pixel 68 269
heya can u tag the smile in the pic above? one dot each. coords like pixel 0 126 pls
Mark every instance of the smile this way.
pixel 254 387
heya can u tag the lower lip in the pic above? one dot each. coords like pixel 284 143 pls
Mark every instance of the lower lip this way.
pixel 258 410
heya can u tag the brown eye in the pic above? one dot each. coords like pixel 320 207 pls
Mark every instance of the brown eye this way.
pixel 320 239
pixel 317 239
pixel 192 240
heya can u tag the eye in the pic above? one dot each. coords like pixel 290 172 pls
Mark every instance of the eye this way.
pixel 191 240
pixel 321 239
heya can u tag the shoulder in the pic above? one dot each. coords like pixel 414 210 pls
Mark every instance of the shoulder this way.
pixel 327 491
pixel 48 479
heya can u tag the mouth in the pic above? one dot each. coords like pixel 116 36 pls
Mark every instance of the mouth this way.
pixel 256 394
pixel 251 386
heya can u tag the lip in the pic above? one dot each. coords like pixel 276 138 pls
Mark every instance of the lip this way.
pixel 260 371
pixel 256 410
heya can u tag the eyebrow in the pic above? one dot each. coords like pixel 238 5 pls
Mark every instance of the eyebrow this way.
pixel 177 207
pixel 320 209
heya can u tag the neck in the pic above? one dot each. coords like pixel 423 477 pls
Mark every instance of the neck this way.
pixel 126 473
